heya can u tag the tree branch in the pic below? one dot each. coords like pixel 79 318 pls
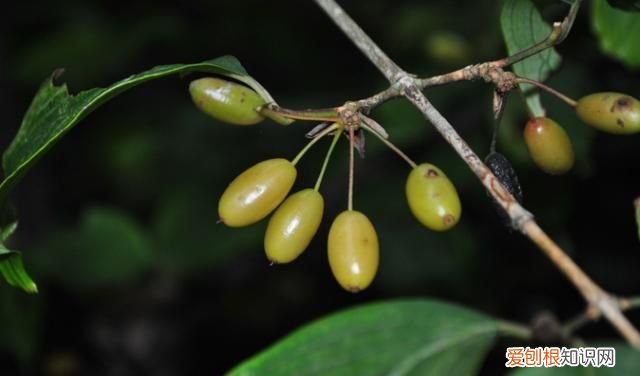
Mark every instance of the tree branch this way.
pixel 410 87
pixel 355 33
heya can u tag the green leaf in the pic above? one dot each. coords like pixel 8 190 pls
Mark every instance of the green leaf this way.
pixel 631 5
pixel 107 248
pixel 405 337
pixel 8 222
pixel 8 230
pixel 618 32
pixel 13 271
pixel 53 112
pixel 11 266
pixel 523 27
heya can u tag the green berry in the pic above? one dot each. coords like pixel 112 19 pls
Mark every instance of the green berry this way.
pixel 610 112
pixel 353 250
pixel 549 145
pixel 256 192
pixel 226 101
pixel 432 197
pixel 293 225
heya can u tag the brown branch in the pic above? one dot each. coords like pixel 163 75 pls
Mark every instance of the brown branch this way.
pixel 490 71
pixel 410 87
pixel 592 314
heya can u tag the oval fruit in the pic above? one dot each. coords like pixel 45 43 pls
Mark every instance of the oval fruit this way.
pixel 293 225
pixel 353 250
pixel 548 145
pixel 226 101
pixel 432 198
pixel 256 192
pixel 610 112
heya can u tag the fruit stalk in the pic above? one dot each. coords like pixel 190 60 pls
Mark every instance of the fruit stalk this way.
pixel 548 89
pixel 313 141
pixel 326 114
pixel 351 168
pixel 390 145
pixel 327 157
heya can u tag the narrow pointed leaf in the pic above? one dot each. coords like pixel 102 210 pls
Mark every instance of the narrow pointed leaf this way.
pixel 53 112
pixel 12 269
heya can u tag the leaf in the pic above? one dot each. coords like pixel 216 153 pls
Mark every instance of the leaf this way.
pixel 11 266
pixel 523 27
pixel 53 112
pixel 630 5
pixel 618 32
pixel 107 248
pixel 403 337
pixel 13 271
pixel 8 230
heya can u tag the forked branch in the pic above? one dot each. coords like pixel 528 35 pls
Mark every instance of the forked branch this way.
pixel 406 85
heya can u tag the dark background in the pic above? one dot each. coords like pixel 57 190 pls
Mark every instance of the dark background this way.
pixel 117 223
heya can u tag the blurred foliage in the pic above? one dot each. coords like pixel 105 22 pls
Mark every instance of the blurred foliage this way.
pixel 618 31
pixel 153 286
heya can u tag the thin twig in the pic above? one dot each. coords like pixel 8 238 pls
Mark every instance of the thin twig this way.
pixel 558 34
pixel 630 303
pixel 409 87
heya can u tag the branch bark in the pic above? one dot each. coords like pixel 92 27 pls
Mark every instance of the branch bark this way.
pixel 410 87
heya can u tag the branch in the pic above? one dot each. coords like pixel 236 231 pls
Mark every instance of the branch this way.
pixel 591 314
pixel 558 34
pixel 410 87
pixel 371 50
pixel 483 70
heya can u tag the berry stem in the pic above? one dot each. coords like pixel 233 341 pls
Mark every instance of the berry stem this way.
pixel 336 137
pixel 548 89
pixel 312 142
pixel 390 145
pixel 322 114
pixel 351 169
